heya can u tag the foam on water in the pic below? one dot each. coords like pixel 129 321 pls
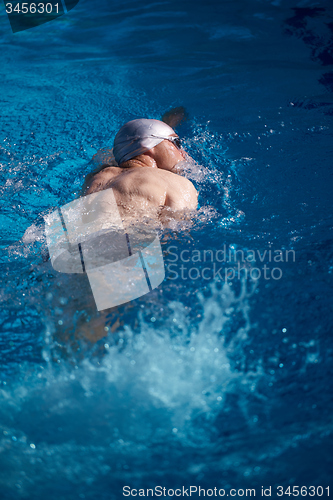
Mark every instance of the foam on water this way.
pixel 147 389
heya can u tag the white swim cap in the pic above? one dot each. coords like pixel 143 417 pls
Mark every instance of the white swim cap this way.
pixel 138 136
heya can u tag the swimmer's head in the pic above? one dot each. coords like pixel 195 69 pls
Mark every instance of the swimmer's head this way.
pixel 139 136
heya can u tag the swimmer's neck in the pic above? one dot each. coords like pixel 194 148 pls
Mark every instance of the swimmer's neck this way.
pixel 144 160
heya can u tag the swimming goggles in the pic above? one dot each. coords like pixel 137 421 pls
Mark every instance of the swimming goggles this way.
pixel 172 138
pixel 175 140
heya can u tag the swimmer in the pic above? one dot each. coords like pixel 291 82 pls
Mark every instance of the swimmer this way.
pixel 143 169
pixel 143 172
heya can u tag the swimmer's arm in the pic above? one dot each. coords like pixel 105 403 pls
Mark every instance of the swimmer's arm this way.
pixel 175 116
pixel 104 156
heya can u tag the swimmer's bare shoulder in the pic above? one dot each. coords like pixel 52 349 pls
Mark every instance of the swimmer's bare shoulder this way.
pixel 159 187
pixel 98 181
pixel 163 187
pixel 180 192
pixel 133 186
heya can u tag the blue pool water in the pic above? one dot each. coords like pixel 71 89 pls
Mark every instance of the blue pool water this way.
pixel 201 382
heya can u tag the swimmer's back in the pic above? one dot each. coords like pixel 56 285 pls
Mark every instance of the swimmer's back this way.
pixel 146 188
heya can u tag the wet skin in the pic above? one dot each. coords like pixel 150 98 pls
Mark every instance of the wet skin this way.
pixel 148 182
